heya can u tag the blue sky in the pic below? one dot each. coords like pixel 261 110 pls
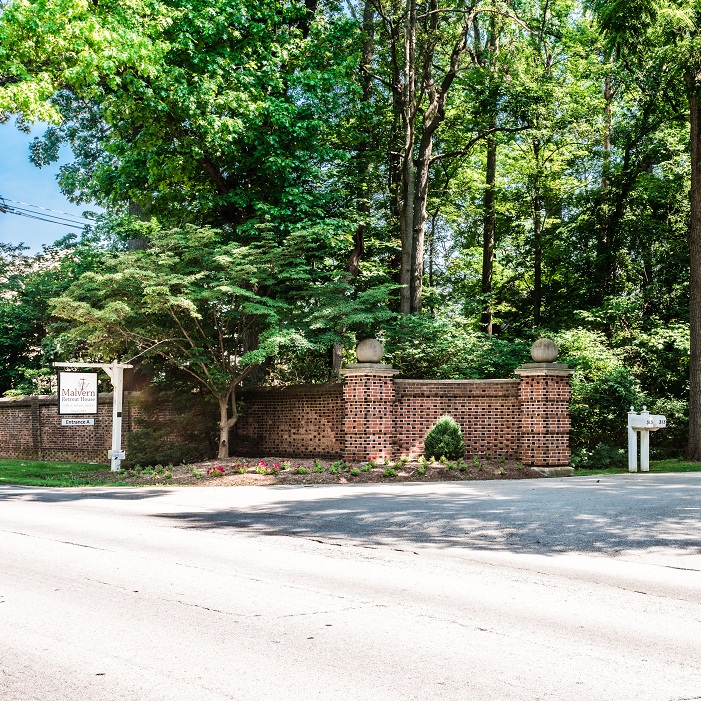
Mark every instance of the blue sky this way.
pixel 22 182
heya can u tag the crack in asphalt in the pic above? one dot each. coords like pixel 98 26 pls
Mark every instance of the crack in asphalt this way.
pixel 56 540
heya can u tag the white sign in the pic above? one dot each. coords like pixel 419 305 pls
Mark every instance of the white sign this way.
pixel 77 393
pixel 77 422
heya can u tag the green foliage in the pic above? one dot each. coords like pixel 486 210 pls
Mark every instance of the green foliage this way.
pixel 251 129
pixel 172 428
pixel 424 347
pixel 603 390
pixel 445 439
pixel 390 472
pixel 27 283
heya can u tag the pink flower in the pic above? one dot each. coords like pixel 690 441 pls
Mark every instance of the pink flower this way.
pixel 276 466
pixel 261 464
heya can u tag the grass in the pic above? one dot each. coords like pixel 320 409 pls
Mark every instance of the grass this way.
pixel 656 466
pixel 34 473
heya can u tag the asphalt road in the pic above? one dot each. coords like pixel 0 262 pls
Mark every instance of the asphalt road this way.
pixel 586 588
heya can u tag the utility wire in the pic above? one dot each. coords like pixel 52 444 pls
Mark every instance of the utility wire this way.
pixel 51 221
pixel 46 209
pixel 73 222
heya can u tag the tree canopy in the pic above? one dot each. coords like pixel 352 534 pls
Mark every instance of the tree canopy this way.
pixel 482 172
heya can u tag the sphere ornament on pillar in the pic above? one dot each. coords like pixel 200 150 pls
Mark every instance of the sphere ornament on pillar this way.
pixel 544 351
pixel 369 350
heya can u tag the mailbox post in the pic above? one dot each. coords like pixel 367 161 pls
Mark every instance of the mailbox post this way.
pixel 642 423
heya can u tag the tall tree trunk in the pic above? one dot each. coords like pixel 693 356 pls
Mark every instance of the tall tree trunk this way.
pixel 489 234
pixel 423 168
pixel 605 243
pixel 608 122
pixel 408 188
pixel 693 82
pixel 537 240
pixel 488 60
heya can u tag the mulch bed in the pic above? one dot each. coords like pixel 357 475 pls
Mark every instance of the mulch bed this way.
pixel 277 470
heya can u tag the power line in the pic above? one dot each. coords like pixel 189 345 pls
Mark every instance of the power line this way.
pixel 72 220
pixel 46 209
pixel 39 218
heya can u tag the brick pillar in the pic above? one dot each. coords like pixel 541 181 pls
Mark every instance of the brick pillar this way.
pixel 368 411
pixel 544 395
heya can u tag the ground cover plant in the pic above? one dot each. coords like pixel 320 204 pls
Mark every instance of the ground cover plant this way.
pixel 272 470
pixel 257 471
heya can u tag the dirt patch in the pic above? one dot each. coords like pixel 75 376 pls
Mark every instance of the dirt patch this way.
pixel 276 470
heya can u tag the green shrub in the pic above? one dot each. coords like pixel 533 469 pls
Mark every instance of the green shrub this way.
pixel 445 439
pixel 603 455
pixel 171 429
pixel 603 390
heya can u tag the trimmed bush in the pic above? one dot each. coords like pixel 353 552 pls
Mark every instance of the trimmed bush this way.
pixel 445 439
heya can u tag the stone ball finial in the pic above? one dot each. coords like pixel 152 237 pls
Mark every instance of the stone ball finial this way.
pixel 544 351
pixel 369 351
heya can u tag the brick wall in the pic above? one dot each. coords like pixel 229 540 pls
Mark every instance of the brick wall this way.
pixel 296 421
pixel 30 429
pixel 370 415
pixel 487 411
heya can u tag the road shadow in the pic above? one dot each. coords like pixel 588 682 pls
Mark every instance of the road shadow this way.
pixel 606 516
pixel 64 494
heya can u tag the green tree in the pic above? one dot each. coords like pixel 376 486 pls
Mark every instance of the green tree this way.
pixel 213 112
pixel 27 282
pixel 192 300
pixel 664 36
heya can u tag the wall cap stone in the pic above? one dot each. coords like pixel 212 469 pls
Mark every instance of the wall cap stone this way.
pixel 544 369
pixel 369 369
pixel 455 382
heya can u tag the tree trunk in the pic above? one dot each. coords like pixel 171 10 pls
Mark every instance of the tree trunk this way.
pixel 336 358
pixel 489 233
pixel 537 241
pixel 608 121
pixel 408 187
pixel 489 60
pixel 693 82
pixel 226 423
pixel 420 215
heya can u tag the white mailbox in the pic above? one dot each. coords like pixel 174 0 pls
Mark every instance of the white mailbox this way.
pixel 642 423
pixel 649 422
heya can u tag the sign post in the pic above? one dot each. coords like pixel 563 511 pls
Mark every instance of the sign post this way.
pixel 115 371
